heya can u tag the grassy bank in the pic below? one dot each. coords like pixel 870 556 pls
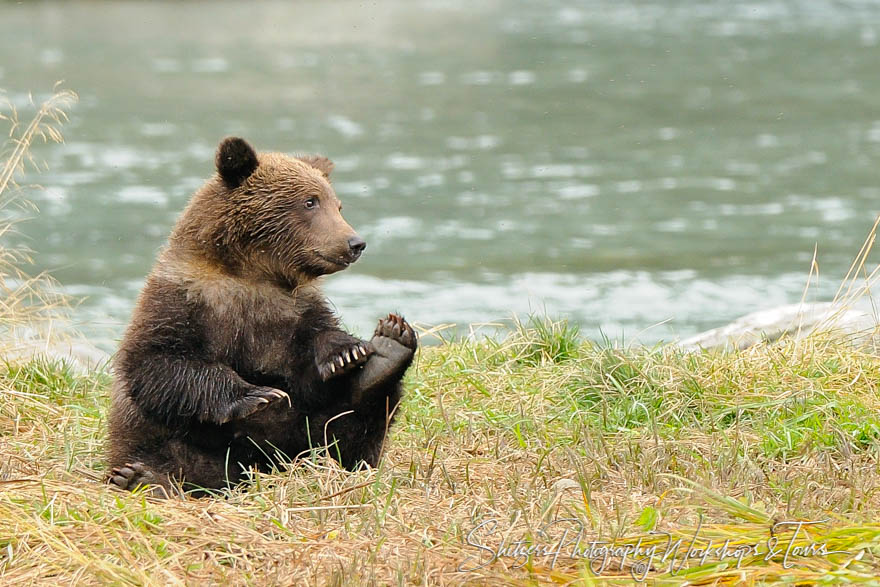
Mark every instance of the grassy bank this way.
pixel 514 435
pixel 540 442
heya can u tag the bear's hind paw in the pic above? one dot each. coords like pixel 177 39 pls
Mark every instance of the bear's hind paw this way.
pixel 399 330
pixel 130 476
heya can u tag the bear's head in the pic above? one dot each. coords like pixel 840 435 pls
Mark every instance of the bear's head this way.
pixel 271 214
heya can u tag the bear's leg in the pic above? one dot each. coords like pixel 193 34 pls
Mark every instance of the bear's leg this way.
pixel 375 393
pixel 195 468
pixel 176 390
pixel 356 437
pixel 355 429
pixel 394 344
pixel 207 469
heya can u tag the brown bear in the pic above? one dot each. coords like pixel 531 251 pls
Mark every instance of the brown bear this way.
pixel 233 359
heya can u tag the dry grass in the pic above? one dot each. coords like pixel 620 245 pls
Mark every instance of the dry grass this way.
pixel 534 429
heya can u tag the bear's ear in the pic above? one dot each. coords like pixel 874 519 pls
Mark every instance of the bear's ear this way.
pixel 236 160
pixel 320 163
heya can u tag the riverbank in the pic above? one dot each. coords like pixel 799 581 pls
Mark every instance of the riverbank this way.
pixel 495 440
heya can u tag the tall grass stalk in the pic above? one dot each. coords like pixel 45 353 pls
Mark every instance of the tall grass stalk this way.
pixel 30 306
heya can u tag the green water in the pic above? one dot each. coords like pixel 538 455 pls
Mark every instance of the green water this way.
pixel 617 163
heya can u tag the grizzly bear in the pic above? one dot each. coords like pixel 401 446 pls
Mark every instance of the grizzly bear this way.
pixel 233 359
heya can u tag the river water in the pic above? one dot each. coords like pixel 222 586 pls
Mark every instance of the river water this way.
pixel 620 164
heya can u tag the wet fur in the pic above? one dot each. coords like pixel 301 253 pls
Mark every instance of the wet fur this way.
pixel 233 358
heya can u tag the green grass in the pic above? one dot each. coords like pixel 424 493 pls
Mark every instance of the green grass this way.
pixel 535 427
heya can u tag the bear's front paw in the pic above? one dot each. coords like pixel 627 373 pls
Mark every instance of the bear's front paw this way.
pixel 257 399
pixel 345 360
pixel 397 329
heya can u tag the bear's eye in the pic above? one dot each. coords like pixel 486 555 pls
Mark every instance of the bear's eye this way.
pixel 311 203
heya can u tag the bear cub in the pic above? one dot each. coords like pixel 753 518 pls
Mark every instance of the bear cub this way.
pixel 233 358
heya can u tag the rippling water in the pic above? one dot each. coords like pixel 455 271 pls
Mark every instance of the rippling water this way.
pixel 618 163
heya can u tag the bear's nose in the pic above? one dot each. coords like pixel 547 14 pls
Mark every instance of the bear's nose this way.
pixel 357 245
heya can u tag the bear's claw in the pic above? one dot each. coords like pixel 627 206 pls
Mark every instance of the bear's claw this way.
pixel 257 399
pixel 345 360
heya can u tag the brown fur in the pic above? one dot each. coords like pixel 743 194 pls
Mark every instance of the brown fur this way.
pixel 233 359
